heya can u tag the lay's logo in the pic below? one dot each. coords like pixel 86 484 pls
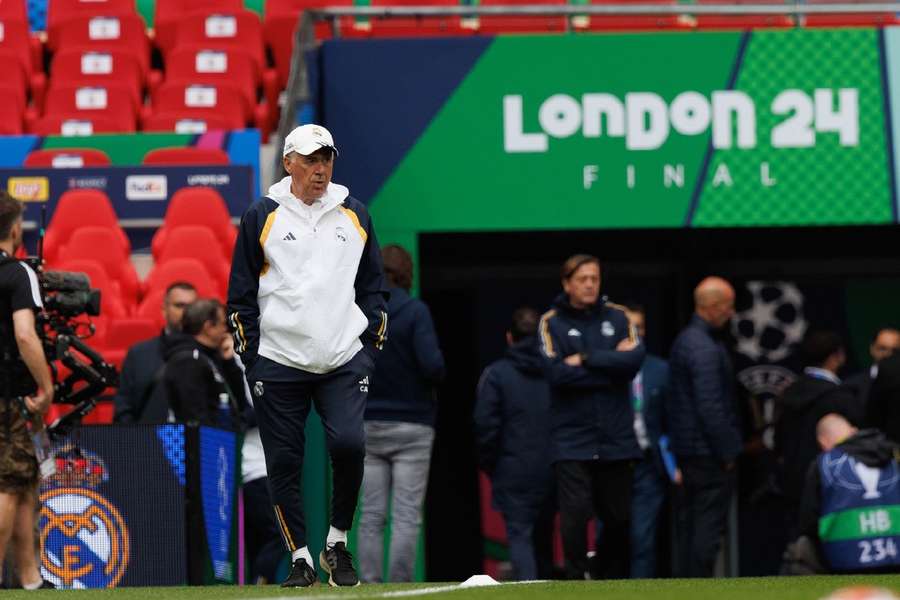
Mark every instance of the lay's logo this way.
pixel 29 189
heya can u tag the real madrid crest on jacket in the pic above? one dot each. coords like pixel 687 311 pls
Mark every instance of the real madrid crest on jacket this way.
pixel 858 497
pixel 591 411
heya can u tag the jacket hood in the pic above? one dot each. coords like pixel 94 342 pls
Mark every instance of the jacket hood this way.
pixel 525 357
pixel 398 300
pixel 280 192
pixel 870 447
pixel 562 303
pixel 805 391
pixel 180 342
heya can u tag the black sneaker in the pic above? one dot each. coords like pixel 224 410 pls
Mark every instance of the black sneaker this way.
pixel 302 575
pixel 46 585
pixel 338 563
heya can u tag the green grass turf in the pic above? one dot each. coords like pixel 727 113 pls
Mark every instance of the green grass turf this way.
pixel 764 588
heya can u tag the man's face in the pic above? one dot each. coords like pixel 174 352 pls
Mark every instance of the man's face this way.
pixel 885 344
pixel 218 331
pixel 583 286
pixel 637 320
pixel 310 174
pixel 722 310
pixel 174 305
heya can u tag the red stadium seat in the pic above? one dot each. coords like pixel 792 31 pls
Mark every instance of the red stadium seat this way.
pixel 238 29
pixel 203 101
pixel 74 209
pixel 516 23
pixel 406 26
pixel 67 158
pixel 13 9
pixel 197 206
pixel 194 241
pixel 103 414
pixel 73 125
pixel 150 308
pixel 103 245
pixel 12 117
pixel 122 334
pixel 852 20
pixel 114 101
pixel 124 32
pixel 198 64
pixel 16 39
pixel 742 22
pixel 631 22
pixel 15 77
pixel 182 269
pixel 61 11
pixel 189 155
pixel 87 67
pixel 169 12
pixel 187 122
pixel 280 25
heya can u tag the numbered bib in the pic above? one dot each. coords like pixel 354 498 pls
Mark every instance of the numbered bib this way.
pixel 104 28
pixel 210 61
pixel 96 63
pixel 221 26
pixel 74 128
pixel 200 96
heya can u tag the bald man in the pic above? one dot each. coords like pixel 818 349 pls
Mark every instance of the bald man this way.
pixel 851 499
pixel 703 427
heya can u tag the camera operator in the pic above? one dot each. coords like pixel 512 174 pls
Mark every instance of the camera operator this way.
pixel 20 300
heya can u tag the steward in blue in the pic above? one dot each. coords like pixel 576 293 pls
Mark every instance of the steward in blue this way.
pixel 591 354
pixel 851 502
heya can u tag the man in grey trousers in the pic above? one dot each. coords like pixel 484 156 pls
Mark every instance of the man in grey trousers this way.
pixel 399 418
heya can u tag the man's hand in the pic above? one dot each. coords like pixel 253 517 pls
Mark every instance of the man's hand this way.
pixel 227 348
pixel 574 360
pixel 626 345
pixel 40 402
pixel 677 478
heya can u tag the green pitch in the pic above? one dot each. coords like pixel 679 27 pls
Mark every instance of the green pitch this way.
pixel 784 588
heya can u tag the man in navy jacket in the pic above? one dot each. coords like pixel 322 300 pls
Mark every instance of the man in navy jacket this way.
pixel 399 418
pixel 512 427
pixel 703 426
pixel 591 354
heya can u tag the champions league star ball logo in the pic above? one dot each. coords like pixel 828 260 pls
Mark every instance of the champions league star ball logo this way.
pixel 774 323
pixel 85 541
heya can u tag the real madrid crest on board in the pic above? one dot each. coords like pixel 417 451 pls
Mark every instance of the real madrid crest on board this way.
pixel 86 543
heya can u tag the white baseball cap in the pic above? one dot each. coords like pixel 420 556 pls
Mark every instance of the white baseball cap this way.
pixel 306 139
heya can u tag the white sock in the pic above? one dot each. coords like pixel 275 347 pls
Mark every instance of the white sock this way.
pixel 33 586
pixel 335 536
pixel 302 553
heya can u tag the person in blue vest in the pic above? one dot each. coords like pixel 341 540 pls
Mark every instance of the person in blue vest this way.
pixel 648 391
pixel 851 500
pixel 512 429
pixel 591 354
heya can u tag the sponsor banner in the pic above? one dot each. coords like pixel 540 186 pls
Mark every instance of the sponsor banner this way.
pixel 135 192
pixel 620 130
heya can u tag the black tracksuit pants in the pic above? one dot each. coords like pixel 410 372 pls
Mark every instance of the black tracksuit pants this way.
pixel 589 488
pixel 282 399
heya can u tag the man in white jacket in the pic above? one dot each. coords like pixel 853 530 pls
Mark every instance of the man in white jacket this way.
pixel 307 303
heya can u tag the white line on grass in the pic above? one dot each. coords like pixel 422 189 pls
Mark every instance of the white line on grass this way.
pixel 394 594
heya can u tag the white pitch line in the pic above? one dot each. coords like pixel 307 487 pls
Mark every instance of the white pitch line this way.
pixel 394 594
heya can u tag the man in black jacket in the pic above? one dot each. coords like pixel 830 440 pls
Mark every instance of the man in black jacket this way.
pixel 884 343
pixel 143 364
pixel 512 427
pixel 591 354
pixel 399 417
pixel 815 394
pixel 703 428
pixel 883 408
pixel 201 380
